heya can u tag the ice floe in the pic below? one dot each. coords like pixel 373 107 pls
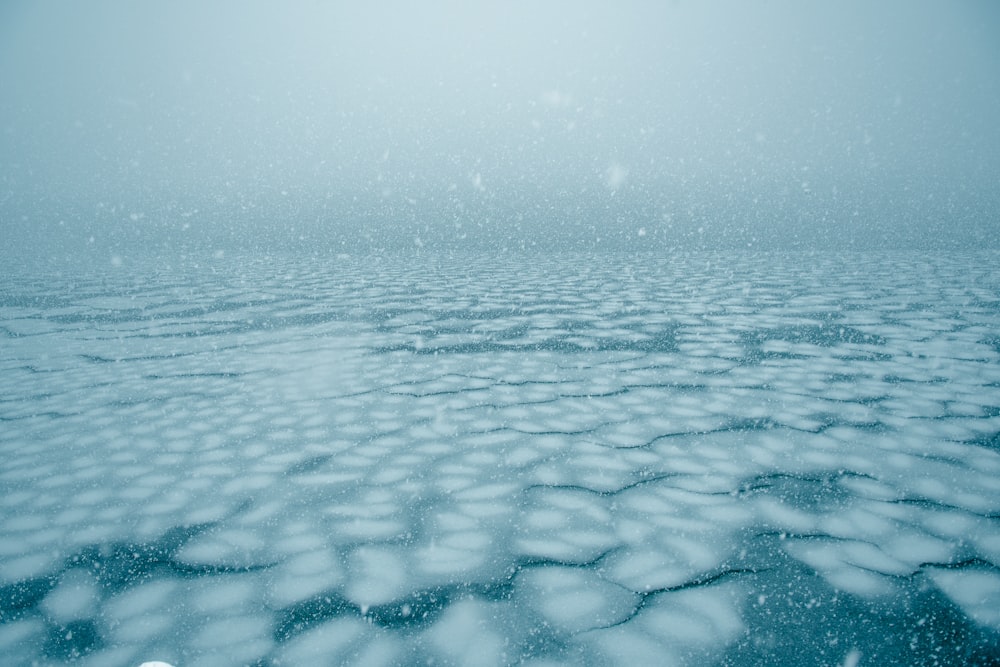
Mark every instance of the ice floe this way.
pixel 295 460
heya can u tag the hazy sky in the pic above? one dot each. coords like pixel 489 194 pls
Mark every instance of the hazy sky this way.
pixel 389 124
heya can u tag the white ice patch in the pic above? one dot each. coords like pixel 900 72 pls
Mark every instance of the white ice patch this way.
pixel 856 568
pixel 331 643
pixel 468 634
pixel 376 575
pixel 305 575
pixel 143 613
pixel 233 548
pixel 976 591
pixel 573 600
pixel 684 627
pixel 74 597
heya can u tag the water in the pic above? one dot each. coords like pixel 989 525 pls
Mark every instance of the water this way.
pixel 603 459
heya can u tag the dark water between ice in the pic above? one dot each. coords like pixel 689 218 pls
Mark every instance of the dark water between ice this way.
pixel 580 459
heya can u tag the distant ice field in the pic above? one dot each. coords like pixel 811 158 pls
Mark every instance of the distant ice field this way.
pixel 617 459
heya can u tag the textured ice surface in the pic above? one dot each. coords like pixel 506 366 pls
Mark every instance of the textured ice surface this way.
pixel 577 459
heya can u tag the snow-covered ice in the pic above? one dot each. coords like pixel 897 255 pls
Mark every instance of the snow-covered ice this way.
pixel 570 459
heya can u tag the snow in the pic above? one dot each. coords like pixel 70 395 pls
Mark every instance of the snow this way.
pixel 572 464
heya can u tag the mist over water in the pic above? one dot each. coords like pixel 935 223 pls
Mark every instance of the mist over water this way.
pixel 128 127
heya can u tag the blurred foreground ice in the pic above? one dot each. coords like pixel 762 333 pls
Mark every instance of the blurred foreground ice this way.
pixel 576 459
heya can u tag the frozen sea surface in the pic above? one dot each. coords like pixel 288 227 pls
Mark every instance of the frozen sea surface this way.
pixel 581 459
